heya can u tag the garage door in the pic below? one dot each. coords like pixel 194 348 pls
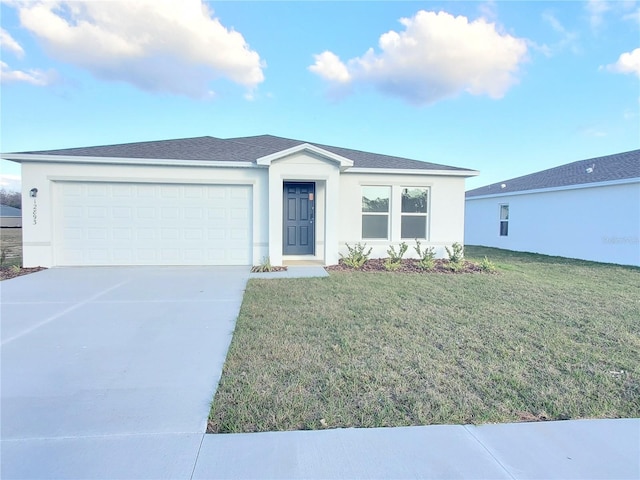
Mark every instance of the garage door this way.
pixel 152 224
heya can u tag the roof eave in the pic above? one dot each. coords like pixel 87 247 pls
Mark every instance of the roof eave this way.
pixel 415 171
pixel 23 157
pixel 576 186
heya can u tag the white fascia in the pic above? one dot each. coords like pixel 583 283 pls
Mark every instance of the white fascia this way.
pixel 305 147
pixel 415 171
pixel 17 157
pixel 557 189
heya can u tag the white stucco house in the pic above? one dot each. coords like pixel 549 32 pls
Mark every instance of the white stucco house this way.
pixel 212 201
pixel 588 210
pixel 10 217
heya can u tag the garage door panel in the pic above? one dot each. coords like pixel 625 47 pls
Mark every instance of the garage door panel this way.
pixel 140 224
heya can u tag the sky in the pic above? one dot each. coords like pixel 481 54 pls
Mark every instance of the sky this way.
pixel 506 88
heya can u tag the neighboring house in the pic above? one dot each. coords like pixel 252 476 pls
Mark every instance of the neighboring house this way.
pixel 588 209
pixel 212 201
pixel 10 216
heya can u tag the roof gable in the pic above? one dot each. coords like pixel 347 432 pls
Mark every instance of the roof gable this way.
pixel 609 168
pixel 305 147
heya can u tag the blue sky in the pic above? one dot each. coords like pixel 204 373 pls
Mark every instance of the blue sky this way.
pixel 506 88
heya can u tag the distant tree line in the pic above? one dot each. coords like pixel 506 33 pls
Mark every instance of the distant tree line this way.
pixel 12 199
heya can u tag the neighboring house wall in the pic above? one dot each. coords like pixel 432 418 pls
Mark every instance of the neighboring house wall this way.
pixel 445 211
pixel 39 238
pixel 598 223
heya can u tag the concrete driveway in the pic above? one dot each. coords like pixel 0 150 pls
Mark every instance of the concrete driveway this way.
pixel 109 372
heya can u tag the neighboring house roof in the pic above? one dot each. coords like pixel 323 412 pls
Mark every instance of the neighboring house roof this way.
pixel 620 166
pixel 7 211
pixel 241 149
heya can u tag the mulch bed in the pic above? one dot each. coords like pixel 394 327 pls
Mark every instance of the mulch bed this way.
pixel 272 269
pixel 409 265
pixel 12 272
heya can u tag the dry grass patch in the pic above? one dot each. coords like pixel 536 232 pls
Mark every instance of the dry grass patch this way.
pixel 546 338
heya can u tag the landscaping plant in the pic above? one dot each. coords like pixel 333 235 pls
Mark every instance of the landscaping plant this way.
pixel 265 266
pixel 426 260
pixel 456 261
pixel 395 258
pixel 357 256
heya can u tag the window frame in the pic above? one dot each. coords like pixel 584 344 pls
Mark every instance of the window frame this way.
pixel 378 214
pixel 503 222
pixel 416 214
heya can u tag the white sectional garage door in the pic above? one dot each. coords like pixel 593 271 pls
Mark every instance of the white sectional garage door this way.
pixel 152 224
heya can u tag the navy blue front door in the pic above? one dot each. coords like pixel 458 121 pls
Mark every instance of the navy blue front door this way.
pixel 298 215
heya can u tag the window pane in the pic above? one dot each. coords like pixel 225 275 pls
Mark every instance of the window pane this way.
pixel 414 227
pixel 504 229
pixel 504 212
pixel 414 200
pixel 375 226
pixel 375 199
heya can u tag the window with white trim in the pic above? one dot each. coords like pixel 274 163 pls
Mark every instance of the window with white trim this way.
pixel 414 211
pixel 504 219
pixel 375 212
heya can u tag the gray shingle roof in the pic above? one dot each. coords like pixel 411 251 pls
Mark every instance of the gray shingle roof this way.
pixel 619 166
pixel 7 211
pixel 241 149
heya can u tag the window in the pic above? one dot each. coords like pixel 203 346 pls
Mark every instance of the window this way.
pixel 504 220
pixel 414 212
pixel 375 212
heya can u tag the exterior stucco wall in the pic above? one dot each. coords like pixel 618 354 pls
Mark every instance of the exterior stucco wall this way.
pixel 599 223
pixel 445 211
pixel 38 237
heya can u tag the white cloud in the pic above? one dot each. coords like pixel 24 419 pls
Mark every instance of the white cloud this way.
pixel 32 76
pixel 596 10
pixel 632 16
pixel 488 10
pixel 329 66
pixel 593 132
pixel 435 57
pixel 156 45
pixel 7 42
pixel 628 62
pixel 568 39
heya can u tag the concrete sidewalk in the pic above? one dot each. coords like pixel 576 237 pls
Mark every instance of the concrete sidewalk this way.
pixel 578 449
pixel 294 271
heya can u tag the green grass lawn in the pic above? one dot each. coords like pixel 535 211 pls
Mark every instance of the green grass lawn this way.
pixel 544 338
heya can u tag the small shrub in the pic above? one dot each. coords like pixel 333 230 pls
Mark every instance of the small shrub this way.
pixel 395 258
pixel 426 260
pixel 3 255
pixel 456 253
pixel 487 265
pixel 357 256
pixel 265 266
pixel 456 262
